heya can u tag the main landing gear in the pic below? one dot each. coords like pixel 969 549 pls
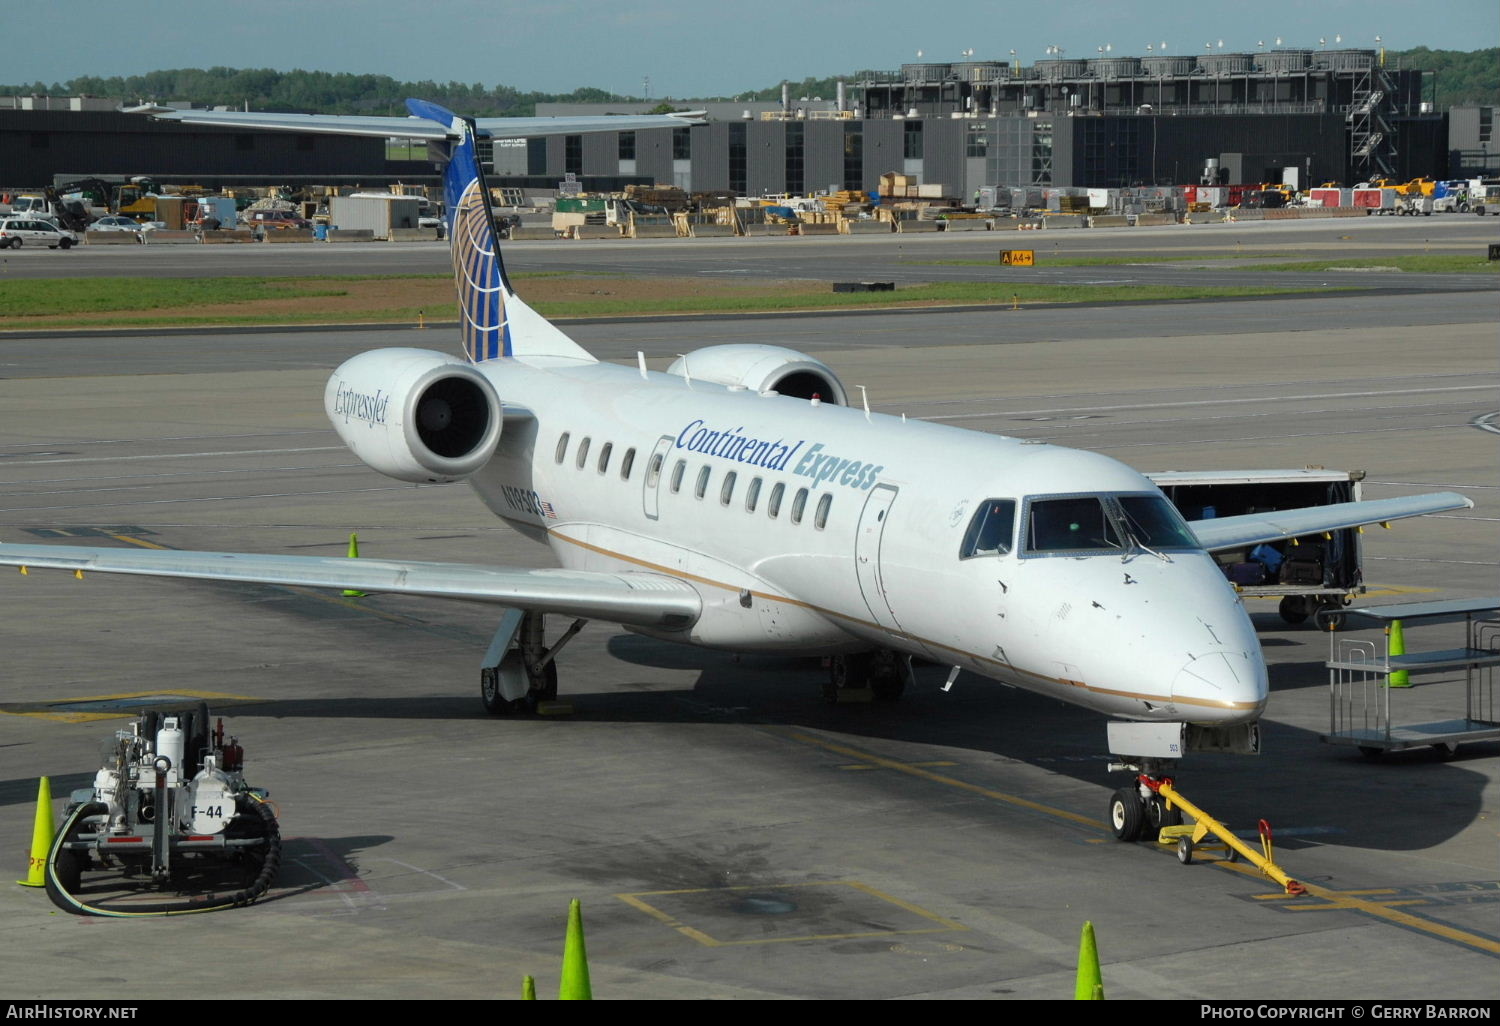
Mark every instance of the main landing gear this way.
pixel 519 672
pixel 1140 810
pixel 881 675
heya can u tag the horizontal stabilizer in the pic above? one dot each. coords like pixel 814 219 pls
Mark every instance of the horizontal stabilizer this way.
pixel 409 127
pixel 638 599
pixel 1277 525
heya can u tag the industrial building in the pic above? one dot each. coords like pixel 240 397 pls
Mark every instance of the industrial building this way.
pixel 1333 115
pixel 1285 114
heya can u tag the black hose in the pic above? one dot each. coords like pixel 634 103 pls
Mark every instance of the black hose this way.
pixel 64 899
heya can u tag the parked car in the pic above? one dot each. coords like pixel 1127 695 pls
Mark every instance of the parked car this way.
pixel 276 219
pixel 18 231
pixel 117 223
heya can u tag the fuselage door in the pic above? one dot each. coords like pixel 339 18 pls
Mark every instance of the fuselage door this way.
pixel 652 493
pixel 867 554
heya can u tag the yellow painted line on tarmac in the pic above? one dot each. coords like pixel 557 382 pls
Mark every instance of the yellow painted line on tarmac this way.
pixel 635 900
pixel 51 710
pixel 914 770
pixel 143 543
pixel 1353 901
pixel 868 766
pixel 1342 900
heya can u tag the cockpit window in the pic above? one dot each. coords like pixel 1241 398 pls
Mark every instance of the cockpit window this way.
pixel 1154 522
pixel 1083 524
pixel 1070 525
pixel 991 530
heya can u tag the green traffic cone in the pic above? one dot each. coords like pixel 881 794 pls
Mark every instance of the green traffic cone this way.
pixel 575 968
pixel 1401 678
pixel 528 989
pixel 353 554
pixel 1089 987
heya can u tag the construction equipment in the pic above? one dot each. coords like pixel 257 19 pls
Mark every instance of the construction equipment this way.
pixel 169 810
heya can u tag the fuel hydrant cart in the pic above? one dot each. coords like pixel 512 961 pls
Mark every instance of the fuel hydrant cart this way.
pixel 168 827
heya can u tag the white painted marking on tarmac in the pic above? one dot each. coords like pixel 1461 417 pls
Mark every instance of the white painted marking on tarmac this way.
pixel 1487 422
pixel 203 498
pixel 176 455
pixel 1270 438
pixel 1220 402
pixel 163 438
pixel 91 489
pixel 93 482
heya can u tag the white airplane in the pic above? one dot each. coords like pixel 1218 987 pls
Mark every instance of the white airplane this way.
pixel 736 502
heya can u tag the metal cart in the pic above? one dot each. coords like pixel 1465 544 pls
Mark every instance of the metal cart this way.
pixel 1359 691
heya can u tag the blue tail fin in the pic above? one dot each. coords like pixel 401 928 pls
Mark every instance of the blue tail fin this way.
pixel 494 322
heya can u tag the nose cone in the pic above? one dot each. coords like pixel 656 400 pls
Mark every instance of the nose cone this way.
pixel 1156 639
pixel 1222 686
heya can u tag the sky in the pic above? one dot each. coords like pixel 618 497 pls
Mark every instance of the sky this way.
pixel 687 49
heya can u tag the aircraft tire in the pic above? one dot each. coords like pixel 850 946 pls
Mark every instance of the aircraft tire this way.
pixel 1126 815
pixel 495 703
pixel 887 683
pixel 1158 815
pixel 844 672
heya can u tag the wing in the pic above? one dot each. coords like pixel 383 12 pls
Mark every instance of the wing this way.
pixel 638 599
pixel 413 127
pixel 1254 528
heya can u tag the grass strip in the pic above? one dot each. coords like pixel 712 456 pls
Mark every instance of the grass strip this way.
pixel 1050 260
pixel 1418 263
pixel 29 297
pixel 940 293
pixel 142 303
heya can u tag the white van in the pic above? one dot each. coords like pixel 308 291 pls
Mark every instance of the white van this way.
pixel 18 231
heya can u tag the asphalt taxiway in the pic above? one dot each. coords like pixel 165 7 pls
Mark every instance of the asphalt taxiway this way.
pixel 728 834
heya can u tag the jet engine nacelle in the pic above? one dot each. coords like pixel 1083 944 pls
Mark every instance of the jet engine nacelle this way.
pixel 414 414
pixel 763 369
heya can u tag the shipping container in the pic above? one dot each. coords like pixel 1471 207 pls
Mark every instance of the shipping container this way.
pixel 378 213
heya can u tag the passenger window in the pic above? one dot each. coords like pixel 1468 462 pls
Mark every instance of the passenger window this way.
pixel 727 492
pixel 562 447
pixel 820 519
pixel 653 472
pixel 583 453
pixel 798 505
pixel 991 530
pixel 609 447
pixel 677 473
pixel 773 505
pixel 752 495
pixel 702 487
pixel 627 464
pixel 1070 525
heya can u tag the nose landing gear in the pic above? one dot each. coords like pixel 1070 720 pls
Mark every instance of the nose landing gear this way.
pixel 1140 810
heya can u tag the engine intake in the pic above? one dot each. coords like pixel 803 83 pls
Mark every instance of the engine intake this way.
pixel 414 414
pixel 763 369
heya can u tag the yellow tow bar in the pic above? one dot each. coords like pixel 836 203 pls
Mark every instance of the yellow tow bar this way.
pixel 1191 836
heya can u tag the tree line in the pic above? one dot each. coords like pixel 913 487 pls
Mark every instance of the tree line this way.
pixel 1460 77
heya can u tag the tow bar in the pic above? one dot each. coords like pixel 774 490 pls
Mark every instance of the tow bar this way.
pixel 1189 839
